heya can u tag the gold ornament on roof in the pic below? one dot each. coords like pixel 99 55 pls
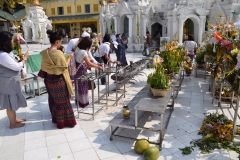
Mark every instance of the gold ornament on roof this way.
pixel 112 1
pixel 105 2
pixel 35 3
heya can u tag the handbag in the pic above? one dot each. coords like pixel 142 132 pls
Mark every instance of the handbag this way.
pixel 90 85
pixel 42 74
pixel 72 66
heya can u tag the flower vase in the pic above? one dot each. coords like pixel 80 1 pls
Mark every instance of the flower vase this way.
pixel 126 112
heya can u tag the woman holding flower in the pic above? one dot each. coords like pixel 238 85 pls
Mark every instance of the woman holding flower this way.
pixel 11 96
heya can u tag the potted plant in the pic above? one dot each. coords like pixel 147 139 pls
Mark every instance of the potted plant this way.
pixel 199 59
pixel 173 56
pixel 187 65
pixel 158 82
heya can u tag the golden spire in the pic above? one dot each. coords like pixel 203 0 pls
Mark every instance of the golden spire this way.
pixel 35 3
pixel 112 1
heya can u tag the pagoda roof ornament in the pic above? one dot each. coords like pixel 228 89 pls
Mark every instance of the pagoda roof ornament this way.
pixel 35 3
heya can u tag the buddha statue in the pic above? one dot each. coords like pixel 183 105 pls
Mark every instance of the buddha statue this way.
pixel 35 3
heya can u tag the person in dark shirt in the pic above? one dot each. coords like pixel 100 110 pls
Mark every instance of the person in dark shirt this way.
pixel 120 47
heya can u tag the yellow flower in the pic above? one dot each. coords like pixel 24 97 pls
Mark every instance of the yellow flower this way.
pixel 207 136
pixel 220 15
pixel 229 57
pixel 235 51
pixel 210 26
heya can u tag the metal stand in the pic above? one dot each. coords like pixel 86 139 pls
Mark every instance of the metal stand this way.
pixel 91 77
pixel 236 110
pixel 40 90
pixel 28 84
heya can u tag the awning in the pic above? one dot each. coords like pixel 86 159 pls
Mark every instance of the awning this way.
pixel 17 16
pixel 74 17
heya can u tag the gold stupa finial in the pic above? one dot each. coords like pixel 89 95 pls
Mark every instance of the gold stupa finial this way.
pixel 35 3
pixel 112 1
pixel 105 2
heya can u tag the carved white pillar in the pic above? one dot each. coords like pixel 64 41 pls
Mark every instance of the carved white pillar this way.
pixel 109 22
pixel 174 23
pixel 201 28
pixel 144 25
pixel 169 22
pixel 138 29
pixel 101 27
pixel 130 27
pixel 116 20
pixel 104 28
pixel 180 30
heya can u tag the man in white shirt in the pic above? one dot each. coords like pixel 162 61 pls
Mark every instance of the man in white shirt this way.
pixel 113 36
pixel 73 44
pixel 103 56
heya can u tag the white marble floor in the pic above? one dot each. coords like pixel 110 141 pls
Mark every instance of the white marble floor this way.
pixel 39 139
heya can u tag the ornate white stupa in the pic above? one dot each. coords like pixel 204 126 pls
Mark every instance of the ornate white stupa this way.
pixel 36 24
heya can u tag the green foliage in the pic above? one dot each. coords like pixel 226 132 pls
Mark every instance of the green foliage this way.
pixel 158 79
pixel 199 59
pixel 173 57
pixel 186 150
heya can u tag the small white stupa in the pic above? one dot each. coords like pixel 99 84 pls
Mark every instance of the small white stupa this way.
pixel 36 24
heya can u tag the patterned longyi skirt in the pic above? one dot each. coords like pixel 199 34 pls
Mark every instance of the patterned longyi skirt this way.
pixel 59 101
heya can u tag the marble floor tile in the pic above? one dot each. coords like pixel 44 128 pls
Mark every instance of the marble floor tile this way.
pixel 34 135
pixel 165 152
pixel 64 157
pixel 17 156
pixel 99 140
pixel 177 120
pixel 89 154
pixel 124 145
pixel 195 110
pixel 186 139
pixel 13 139
pixel 189 117
pixel 198 123
pixel 86 124
pixel 117 157
pixel 53 131
pixel 56 139
pixel 35 144
pixel 70 129
pixel 58 150
pixel 233 155
pixel 168 157
pixel 199 115
pixel 107 150
pixel 2 131
pixel 132 155
pixel 38 154
pixel 33 126
pixel 79 145
pixel 189 127
pixel 15 148
pixel 75 135
pixel 93 131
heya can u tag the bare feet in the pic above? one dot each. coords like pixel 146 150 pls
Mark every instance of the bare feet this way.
pixel 18 120
pixel 17 125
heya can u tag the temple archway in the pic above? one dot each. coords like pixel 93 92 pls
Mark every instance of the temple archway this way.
pixel 126 25
pixel 188 27
pixel 156 32
pixel 191 26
